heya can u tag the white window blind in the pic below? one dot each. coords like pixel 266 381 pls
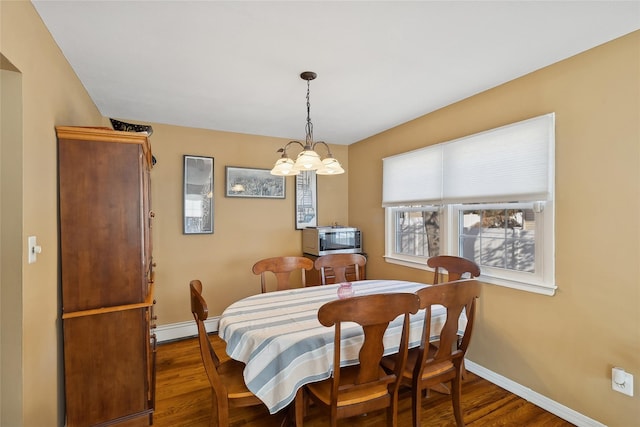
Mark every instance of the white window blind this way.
pixel 510 163
pixel 507 164
pixel 415 176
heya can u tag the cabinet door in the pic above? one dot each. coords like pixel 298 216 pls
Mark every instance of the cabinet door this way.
pixel 101 226
pixel 106 372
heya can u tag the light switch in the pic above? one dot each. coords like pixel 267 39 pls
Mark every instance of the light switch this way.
pixel 33 249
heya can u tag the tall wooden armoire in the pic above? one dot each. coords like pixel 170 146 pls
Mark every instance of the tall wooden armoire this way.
pixel 107 276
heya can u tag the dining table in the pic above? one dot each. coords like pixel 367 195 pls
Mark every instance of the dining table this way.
pixel 278 337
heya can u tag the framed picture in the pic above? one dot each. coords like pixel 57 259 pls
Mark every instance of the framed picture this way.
pixel 198 195
pixel 306 200
pixel 256 183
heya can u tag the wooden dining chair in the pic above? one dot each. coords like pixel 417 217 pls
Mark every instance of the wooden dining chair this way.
pixel 365 387
pixel 456 267
pixel 339 264
pixel 281 267
pixel 227 383
pixel 428 366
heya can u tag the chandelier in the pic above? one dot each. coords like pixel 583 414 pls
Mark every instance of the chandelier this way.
pixel 308 159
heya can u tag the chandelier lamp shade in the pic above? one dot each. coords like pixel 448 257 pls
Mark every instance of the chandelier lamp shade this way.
pixel 308 159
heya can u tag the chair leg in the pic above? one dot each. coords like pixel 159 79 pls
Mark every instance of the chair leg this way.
pixel 456 394
pixel 416 404
pixel 392 411
pixel 300 407
pixel 219 411
pixel 333 416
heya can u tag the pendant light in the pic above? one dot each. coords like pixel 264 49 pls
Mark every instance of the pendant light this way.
pixel 308 159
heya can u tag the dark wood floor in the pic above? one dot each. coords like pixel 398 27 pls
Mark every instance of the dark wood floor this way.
pixel 183 399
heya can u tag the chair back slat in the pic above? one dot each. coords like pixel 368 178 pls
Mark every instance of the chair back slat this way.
pixel 282 267
pixel 455 267
pixel 339 263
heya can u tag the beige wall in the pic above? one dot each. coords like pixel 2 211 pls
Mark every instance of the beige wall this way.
pixel 564 346
pixel 558 346
pixel 245 230
pixel 10 241
pixel 51 94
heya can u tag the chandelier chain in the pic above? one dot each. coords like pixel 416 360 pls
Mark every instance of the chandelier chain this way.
pixel 309 126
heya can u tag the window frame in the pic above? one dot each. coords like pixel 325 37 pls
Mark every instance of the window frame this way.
pixel 540 282
pixel 391 255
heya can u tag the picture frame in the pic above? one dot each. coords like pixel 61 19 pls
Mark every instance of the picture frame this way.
pixel 197 200
pixel 306 210
pixel 245 182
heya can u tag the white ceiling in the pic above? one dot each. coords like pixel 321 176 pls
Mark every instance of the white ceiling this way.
pixel 235 65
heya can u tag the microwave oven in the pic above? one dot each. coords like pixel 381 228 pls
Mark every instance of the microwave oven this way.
pixel 331 240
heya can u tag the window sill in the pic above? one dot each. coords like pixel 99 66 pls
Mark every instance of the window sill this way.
pixel 535 288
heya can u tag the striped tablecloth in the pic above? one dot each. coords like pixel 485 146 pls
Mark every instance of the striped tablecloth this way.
pixel 284 346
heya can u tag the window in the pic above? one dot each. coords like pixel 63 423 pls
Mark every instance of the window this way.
pixel 487 197
pixel 416 232
pixel 498 237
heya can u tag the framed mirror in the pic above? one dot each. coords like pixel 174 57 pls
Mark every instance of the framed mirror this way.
pixel 198 195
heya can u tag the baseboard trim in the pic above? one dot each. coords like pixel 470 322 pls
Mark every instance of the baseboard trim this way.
pixel 537 399
pixel 176 331
pixel 181 330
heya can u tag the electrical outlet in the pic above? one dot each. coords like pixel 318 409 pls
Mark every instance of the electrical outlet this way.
pixel 622 381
